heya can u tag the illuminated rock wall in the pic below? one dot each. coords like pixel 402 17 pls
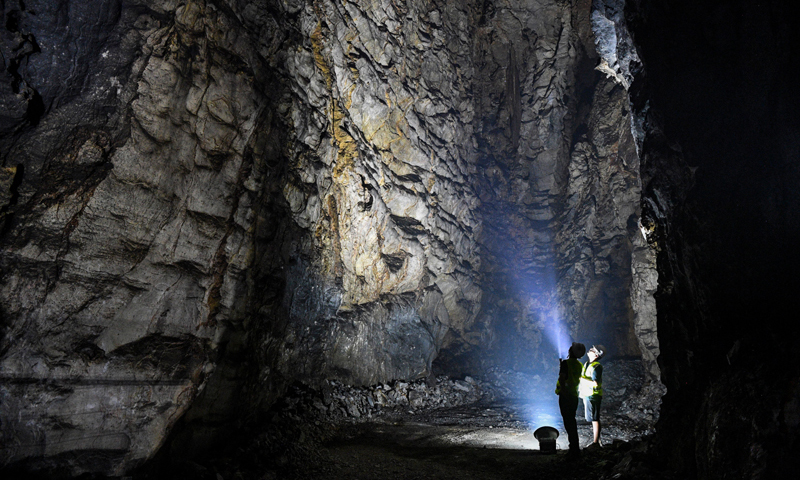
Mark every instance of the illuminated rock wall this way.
pixel 559 183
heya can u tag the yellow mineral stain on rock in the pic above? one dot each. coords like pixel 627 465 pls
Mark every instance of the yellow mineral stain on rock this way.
pixel 405 103
pixel 317 45
pixel 7 175
pixel 333 214
pixel 189 15
pixel 348 96
pixel 354 71
pixel 348 149
pixel 431 180
pixel 8 171
pixel 371 132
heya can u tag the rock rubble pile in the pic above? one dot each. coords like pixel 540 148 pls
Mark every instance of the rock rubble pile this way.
pixel 509 383
pixel 337 400
pixel 625 386
pixel 628 397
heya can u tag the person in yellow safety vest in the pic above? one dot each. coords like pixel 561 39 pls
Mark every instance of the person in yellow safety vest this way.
pixel 591 390
pixel 569 375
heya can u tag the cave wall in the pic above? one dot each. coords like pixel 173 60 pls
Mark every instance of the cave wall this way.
pixel 128 231
pixel 558 183
pixel 204 201
pixel 383 271
pixel 718 100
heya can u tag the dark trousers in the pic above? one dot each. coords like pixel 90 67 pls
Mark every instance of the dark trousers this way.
pixel 569 405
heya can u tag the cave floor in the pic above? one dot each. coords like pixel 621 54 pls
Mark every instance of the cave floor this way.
pixel 419 451
pixel 487 440
pixel 480 441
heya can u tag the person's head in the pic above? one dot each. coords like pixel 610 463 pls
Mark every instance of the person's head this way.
pixel 596 352
pixel 577 350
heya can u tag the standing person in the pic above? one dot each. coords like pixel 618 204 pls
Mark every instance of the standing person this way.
pixel 569 375
pixel 591 390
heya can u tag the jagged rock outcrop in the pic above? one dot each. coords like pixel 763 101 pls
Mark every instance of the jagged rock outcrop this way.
pixel 381 142
pixel 717 105
pixel 127 243
pixel 559 185
pixel 204 201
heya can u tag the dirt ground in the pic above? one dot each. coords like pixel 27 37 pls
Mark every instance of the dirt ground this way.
pixel 482 442
pixel 413 451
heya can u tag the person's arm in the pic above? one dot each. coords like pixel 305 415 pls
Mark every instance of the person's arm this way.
pixel 597 375
pixel 563 373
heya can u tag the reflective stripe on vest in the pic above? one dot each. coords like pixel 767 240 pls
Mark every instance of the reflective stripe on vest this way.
pixel 587 387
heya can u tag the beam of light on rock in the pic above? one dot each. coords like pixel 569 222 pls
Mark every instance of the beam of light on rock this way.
pixel 543 410
pixel 555 330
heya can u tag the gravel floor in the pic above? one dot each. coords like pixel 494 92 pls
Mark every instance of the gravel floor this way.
pixel 434 429
pixel 486 442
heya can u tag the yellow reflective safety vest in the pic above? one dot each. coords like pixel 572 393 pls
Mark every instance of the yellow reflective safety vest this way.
pixel 587 386
pixel 569 377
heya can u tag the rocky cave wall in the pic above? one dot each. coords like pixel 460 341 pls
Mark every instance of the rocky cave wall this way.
pixel 131 132
pixel 558 182
pixel 204 201
pixel 718 99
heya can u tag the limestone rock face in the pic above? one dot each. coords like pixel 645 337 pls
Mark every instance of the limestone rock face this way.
pixel 559 185
pixel 128 229
pixel 379 112
pixel 204 201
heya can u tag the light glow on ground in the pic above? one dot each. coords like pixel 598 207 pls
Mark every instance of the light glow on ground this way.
pixel 505 438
